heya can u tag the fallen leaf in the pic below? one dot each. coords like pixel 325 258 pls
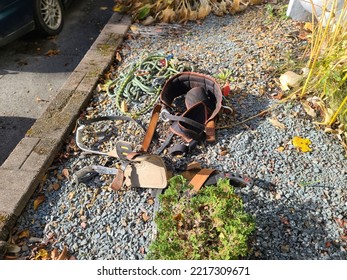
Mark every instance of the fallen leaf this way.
pixel 290 80
pixel 42 254
pixel 308 26
pixel 103 8
pixel 118 57
pixel 38 201
pixel 52 52
pixel 167 15
pixel 178 217
pixel 56 186
pixel 343 237
pixel 134 28
pixel 276 123
pixel 278 96
pixel 119 8
pixel 63 255
pixel 83 225
pixel 65 173
pixel 143 12
pixel 54 254
pixel 148 21
pixel 71 195
pixel 302 144
pixel 150 201
pixel 280 149
pixel 308 109
pixel 145 217
pixel 24 234
pixel 341 223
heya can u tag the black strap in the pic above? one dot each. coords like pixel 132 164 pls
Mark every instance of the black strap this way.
pixel 184 120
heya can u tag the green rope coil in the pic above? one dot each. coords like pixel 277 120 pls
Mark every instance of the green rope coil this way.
pixel 144 80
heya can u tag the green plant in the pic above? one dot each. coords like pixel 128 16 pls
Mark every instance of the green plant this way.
pixel 327 64
pixel 224 75
pixel 209 225
pixel 276 12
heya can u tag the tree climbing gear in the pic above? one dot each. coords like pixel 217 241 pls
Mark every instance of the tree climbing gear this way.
pixel 191 102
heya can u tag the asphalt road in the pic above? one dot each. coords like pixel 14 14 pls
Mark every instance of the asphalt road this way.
pixel 33 69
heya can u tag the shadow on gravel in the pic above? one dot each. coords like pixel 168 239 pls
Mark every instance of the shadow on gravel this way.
pixel 12 130
pixel 247 106
pixel 287 228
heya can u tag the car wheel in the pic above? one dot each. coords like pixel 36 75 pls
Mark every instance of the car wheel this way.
pixel 48 16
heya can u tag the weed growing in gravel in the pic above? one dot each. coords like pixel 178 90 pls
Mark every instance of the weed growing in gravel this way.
pixel 210 225
pixel 276 11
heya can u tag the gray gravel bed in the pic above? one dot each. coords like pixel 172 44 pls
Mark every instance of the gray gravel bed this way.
pixel 297 198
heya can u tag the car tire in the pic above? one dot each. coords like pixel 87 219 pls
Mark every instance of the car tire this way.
pixel 49 17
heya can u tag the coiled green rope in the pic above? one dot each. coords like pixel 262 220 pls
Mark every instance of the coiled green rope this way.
pixel 142 84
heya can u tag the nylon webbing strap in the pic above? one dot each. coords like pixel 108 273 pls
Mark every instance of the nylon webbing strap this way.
pixel 200 178
pixel 151 128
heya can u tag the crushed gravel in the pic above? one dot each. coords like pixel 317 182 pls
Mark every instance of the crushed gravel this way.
pixel 299 199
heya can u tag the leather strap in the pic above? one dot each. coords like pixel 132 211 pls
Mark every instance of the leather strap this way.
pixel 210 130
pixel 151 128
pixel 200 178
pixel 118 180
pixel 184 120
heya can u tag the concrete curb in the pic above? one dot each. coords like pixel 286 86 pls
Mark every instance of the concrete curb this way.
pixel 25 167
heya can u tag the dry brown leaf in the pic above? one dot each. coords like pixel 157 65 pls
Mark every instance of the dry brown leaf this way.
pixel 280 149
pixel 52 52
pixel 150 201
pixel 63 255
pixel 193 165
pixel 343 237
pixel 54 254
pixel 145 217
pixel 168 15
pixel 65 173
pixel 71 195
pixel 308 109
pixel 276 123
pixel 56 186
pixel 204 10
pixel 308 26
pixel 290 80
pixel 38 201
pixel 42 254
pixel 148 21
pixel 118 57
pixel 24 234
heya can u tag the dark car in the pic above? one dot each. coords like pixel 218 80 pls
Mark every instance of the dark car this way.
pixel 19 17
